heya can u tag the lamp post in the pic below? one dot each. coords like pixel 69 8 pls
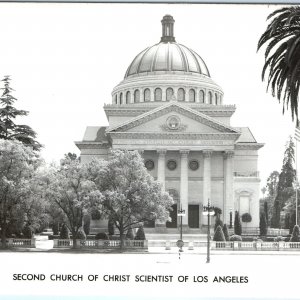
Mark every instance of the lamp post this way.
pixel 209 211
pixel 180 243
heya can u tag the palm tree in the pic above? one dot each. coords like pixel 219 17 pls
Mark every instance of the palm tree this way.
pixel 282 57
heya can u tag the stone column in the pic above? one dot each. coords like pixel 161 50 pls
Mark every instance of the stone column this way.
pixel 184 185
pixel 207 176
pixel 151 94
pixel 164 94
pixel 228 187
pixel 161 167
pixel 131 96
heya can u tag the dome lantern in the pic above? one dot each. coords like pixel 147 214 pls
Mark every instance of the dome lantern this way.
pixel 167 29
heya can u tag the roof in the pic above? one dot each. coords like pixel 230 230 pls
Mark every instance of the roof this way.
pixel 246 135
pixel 95 134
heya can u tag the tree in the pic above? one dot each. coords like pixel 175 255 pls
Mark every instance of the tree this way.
pixel 266 211
pixel 130 194
pixel 64 232
pixel 272 183
pixel 225 231
pixel 140 235
pixel 73 193
pixel 295 234
pixel 219 235
pixel 263 224
pixel 111 227
pixel 86 224
pixel 18 185
pixel 218 222
pixel 285 186
pixel 237 224
pixel 8 129
pixel 282 56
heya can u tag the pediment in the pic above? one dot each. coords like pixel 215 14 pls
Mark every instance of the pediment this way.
pixel 173 117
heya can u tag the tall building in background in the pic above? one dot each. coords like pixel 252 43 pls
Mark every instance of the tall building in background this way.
pixel 171 111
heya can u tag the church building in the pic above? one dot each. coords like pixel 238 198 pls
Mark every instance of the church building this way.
pixel 169 109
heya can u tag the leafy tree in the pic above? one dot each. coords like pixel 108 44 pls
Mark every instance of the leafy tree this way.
pixel 18 185
pixel 272 183
pixel 295 234
pixel 27 232
pixel 282 56
pixel 225 231
pixel 263 224
pixel 219 235
pixel 266 211
pixel 111 227
pixel 286 180
pixel 130 194
pixel 9 130
pixel 86 224
pixel 73 193
pixel 237 224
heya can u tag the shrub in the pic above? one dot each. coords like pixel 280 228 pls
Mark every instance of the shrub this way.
pixel 225 231
pixel 101 236
pixel 246 217
pixel 219 235
pixel 295 234
pixel 263 224
pixel 27 232
pixel 55 228
pixel 237 224
pixel 86 224
pixel 111 227
pixel 218 222
pixel 140 235
pixel 235 238
pixel 130 234
pixel 81 234
pixel 64 232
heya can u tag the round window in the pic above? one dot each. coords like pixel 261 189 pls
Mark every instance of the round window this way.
pixel 149 164
pixel 194 165
pixel 172 165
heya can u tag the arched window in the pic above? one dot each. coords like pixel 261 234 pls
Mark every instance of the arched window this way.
pixel 136 96
pixel 201 96
pixel 210 98
pixel 216 99
pixel 121 98
pixel 181 95
pixel 170 93
pixel 158 94
pixel 192 95
pixel 128 97
pixel 146 95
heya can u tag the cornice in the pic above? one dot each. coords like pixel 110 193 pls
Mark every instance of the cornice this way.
pixel 92 145
pixel 248 146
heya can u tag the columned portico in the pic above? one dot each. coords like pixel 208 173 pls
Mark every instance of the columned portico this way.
pixel 228 203
pixel 206 175
pixel 184 181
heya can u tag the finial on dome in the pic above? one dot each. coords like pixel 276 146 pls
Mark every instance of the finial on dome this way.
pixel 167 29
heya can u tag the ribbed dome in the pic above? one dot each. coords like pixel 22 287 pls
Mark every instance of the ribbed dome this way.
pixel 167 56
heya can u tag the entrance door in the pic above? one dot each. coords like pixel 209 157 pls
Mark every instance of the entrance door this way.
pixel 194 216
pixel 173 216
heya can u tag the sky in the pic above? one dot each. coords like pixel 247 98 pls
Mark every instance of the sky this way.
pixel 65 60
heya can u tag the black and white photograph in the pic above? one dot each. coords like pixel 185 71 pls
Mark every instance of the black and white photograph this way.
pixel 149 151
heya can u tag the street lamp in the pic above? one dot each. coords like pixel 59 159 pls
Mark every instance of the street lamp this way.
pixel 180 243
pixel 209 211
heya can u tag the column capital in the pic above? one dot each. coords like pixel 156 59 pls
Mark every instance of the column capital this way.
pixel 228 154
pixel 184 153
pixel 207 153
pixel 161 152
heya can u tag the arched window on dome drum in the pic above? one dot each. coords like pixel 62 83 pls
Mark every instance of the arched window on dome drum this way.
pixel 146 95
pixel 158 94
pixel 192 95
pixel 136 96
pixel 170 93
pixel 216 98
pixel 210 98
pixel 116 99
pixel 121 98
pixel 201 96
pixel 181 95
pixel 128 97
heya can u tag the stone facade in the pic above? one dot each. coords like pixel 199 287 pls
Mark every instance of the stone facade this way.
pixel 168 108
